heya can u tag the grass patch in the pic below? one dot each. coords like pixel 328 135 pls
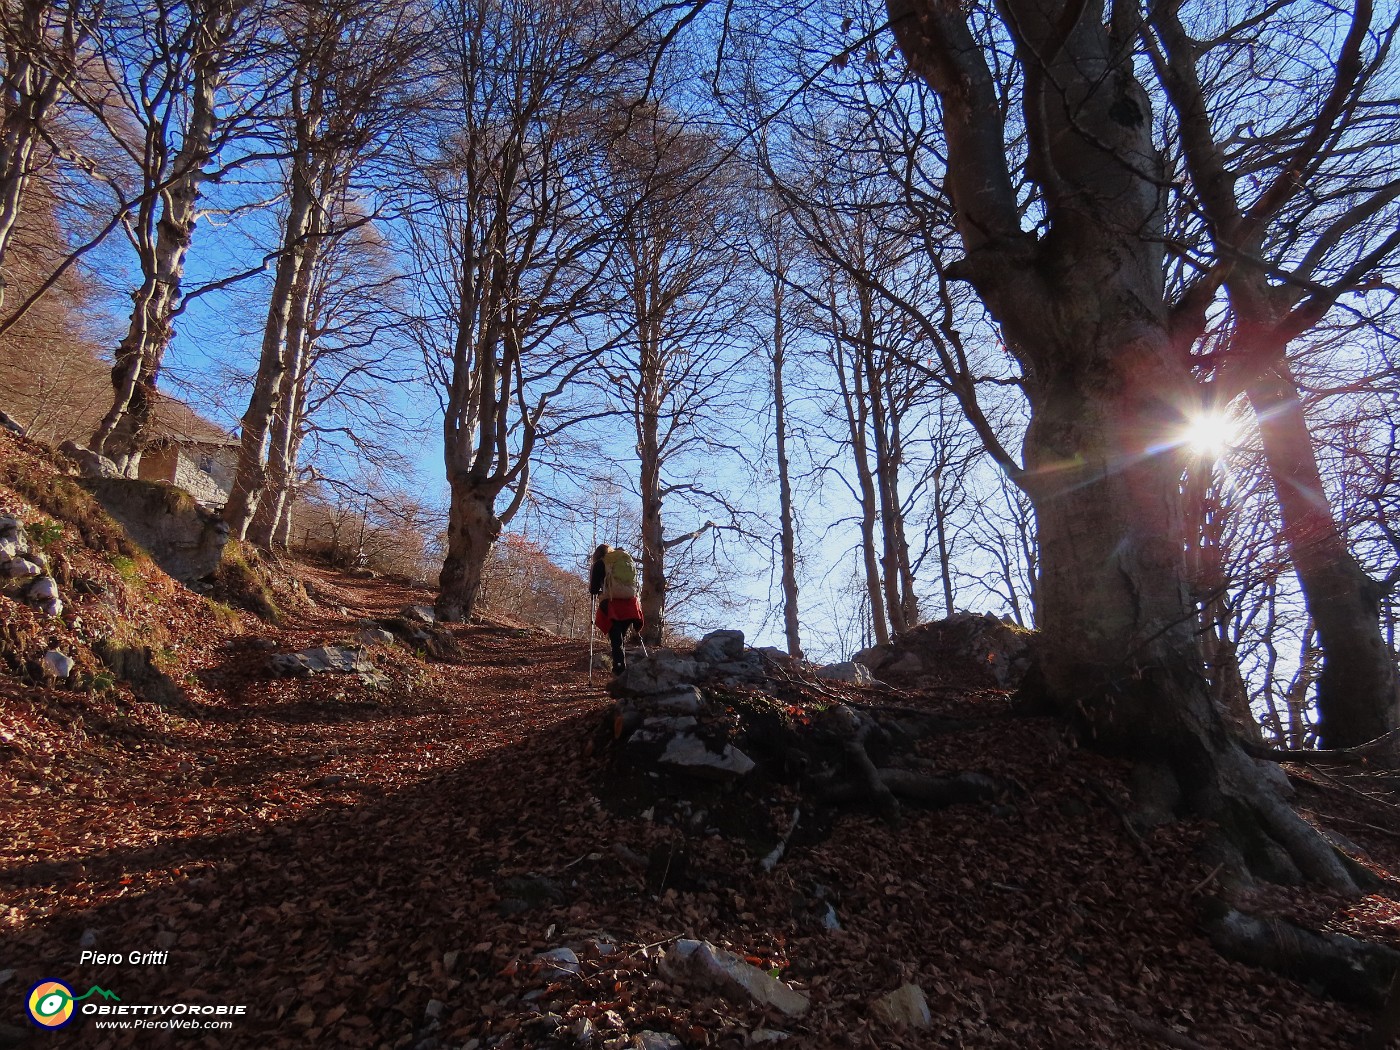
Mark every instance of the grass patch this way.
pixel 241 580
pixel 128 568
pixel 226 615
pixel 45 533
pixel 64 500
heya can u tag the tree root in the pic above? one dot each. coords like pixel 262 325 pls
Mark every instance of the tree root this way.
pixel 1346 968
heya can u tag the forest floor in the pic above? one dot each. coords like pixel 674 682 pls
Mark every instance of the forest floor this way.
pixel 363 867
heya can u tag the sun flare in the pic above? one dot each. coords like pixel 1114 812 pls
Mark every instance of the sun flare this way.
pixel 1210 434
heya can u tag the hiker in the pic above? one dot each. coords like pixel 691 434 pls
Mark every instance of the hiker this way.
pixel 613 582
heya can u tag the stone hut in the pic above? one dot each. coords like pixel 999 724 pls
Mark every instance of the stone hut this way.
pixel 187 450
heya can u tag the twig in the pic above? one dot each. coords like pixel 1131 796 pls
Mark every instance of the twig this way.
pixel 770 862
pixel 1146 1027
pixel 1205 881
pixel 1112 803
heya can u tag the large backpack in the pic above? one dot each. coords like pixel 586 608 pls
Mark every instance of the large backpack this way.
pixel 620 575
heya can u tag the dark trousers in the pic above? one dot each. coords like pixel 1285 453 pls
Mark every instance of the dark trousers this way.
pixel 616 632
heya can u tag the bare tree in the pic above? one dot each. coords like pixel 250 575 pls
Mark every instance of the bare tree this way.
pixel 1081 300
pixel 1298 202
pixel 347 97
pixel 774 255
pixel 43 44
pixel 167 63
pixel 674 197
pixel 509 251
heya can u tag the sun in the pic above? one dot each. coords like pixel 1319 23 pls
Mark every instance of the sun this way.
pixel 1210 434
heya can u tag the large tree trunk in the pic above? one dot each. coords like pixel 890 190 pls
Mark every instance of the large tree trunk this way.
pixel 250 478
pixel 1356 691
pixel 281 464
pixel 121 434
pixel 653 589
pixel 1083 306
pixel 472 529
pixel 1119 649
pixel 788 538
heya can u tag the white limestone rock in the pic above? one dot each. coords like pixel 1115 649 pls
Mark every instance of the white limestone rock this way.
pixel 701 963
pixel 905 1005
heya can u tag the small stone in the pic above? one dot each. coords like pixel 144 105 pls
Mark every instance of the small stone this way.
pixel 376 636
pixel 847 671
pixel 52 607
pixel 44 589
pixel 905 1005
pixel 701 963
pixel 583 1032
pixel 768 1035
pixel 17 568
pixel 656 1041
pixel 434 1009
pixel 6 976
pixel 57 665
pixel 88 939
pixel 557 964
pixel 685 701
pixel 690 753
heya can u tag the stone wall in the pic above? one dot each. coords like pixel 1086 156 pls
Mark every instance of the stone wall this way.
pixel 204 471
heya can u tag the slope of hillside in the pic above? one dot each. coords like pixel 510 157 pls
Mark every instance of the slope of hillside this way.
pixel 377 859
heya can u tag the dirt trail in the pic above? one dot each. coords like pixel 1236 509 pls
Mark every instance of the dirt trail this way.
pixel 377 869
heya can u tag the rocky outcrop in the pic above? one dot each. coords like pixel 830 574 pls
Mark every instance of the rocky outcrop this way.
pixel 90 464
pixel 183 538
pixel 24 570
pixel 336 658
pixel 972 649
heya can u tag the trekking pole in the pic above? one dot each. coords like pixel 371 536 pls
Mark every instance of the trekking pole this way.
pixel 591 632
pixel 642 642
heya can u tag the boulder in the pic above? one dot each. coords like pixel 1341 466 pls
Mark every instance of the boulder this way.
pixel 58 665
pixel 661 727
pixel 846 671
pixel 183 538
pixel 719 647
pixel 905 1005
pixel 690 753
pixel 91 464
pixel 376 636
pixel 700 963
pixel 661 672
pixel 8 548
pixel 43 589
pixel 419 613
pixel 687 701
pixel 325 658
